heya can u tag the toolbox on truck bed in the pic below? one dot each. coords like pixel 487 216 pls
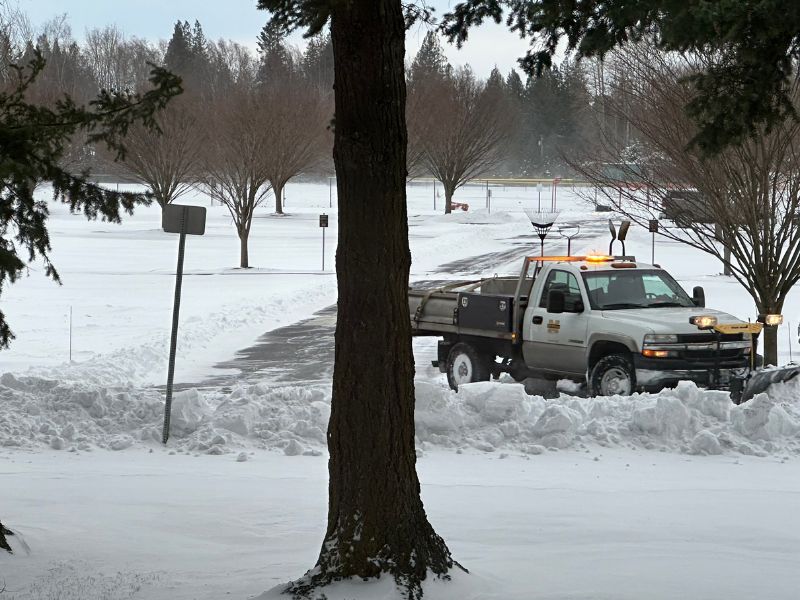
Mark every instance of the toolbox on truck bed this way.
pixel 485 311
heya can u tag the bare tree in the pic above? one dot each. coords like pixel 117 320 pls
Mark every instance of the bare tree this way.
pixel 230 64
pixel 741 206
pixel 296 115
pixel 105 56
pixel 15 32
pixel 166 161
pixel 417 119
pixel 118 63
pixel 462 131
pixel 233 169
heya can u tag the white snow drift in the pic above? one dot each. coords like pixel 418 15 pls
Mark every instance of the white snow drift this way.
pixel 37 412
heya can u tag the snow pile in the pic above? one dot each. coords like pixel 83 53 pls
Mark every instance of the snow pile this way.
pixel 488 416
pixel 37 412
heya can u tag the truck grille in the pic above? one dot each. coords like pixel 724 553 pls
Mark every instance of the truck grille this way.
pixel 707 338
pixel 711 354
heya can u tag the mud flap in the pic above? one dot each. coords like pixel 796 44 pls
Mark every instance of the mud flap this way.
pixel 762 379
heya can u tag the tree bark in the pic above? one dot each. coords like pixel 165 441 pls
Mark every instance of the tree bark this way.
pixel 376 520
pixel 770 346
pixel 244 258
pixel 448 200
pixel 278 191
pixel 770 307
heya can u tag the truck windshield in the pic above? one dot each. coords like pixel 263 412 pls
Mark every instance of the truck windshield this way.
pixel 611 290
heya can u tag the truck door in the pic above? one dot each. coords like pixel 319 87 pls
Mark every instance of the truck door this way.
pixel 556 342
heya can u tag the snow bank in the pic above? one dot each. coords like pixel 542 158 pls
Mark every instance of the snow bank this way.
pixel 37 412
pixel 488 416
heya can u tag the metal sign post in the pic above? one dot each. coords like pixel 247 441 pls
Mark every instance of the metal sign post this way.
pixel 653 228
pixel 539 191
pixel 554 195
pixel 181 219
pixel 323 223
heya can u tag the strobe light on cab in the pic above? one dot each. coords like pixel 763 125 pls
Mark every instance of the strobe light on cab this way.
pixel 704 321
pixel 598 258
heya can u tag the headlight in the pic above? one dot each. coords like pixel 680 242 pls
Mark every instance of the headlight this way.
pixel 703 321
pixel 660 338
pixel 650 353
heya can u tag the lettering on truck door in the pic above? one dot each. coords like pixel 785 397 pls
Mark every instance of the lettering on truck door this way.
pixel 557 341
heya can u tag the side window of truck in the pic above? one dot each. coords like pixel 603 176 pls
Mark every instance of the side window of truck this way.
pixel 565 282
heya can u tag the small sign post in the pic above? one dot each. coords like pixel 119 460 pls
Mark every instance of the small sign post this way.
pixel 539 192
pixel 323 223
pixel 554 194
pixel 181 219
pixel 653 228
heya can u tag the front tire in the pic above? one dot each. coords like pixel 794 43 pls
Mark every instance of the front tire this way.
pixel 613 375
pixel 466 365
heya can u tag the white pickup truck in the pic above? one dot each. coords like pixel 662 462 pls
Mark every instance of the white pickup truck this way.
pixel 612 323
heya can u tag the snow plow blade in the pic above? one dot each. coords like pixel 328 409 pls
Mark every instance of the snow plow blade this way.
pixel 764 378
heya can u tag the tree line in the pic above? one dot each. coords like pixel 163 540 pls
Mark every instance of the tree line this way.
pixel 460 127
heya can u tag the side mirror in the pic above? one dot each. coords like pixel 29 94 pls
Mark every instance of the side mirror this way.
pixel 578 307
pixel 555 301
pixel 699 296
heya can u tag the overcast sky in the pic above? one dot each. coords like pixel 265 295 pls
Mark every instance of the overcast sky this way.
pixel 240 21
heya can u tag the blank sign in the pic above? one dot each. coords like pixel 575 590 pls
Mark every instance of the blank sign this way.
pixel 180 218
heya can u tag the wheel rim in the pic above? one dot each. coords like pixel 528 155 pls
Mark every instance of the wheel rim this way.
pixel 615 381
pixel 462 369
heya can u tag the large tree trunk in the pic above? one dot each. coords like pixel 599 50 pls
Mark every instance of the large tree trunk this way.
pixel 278 191
pixel 770 334
pixel 448 199
pixel 376 520
pixel 244 258
pixel 770 346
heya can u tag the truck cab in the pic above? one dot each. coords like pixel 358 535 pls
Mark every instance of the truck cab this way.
pixel 624 326
pixel 613 323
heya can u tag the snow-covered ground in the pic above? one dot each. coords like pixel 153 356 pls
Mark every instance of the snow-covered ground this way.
pixel 656 496
pixel 600 524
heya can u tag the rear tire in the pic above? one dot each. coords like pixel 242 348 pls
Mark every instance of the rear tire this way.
pixel 466 365
pixel 613 375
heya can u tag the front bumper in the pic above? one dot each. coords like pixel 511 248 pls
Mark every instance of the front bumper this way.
pixel 653 374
